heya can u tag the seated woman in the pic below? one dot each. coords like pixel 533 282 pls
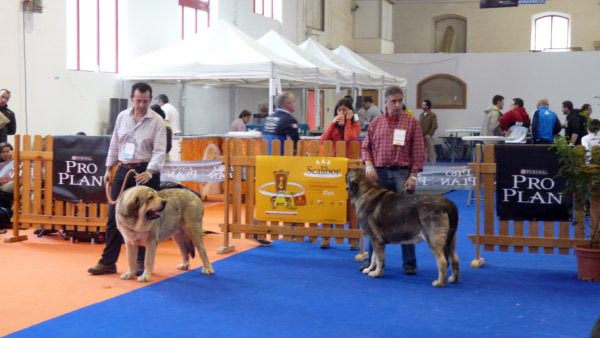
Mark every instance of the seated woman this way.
pixel 344 126
pixel 6 184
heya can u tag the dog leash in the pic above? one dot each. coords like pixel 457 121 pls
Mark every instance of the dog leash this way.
pixel 109 186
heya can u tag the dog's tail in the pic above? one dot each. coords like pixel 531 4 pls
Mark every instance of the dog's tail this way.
pixel 452 212
pixel 189 246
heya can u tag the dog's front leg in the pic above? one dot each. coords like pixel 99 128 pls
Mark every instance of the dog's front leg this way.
pixel 132 251
pixel 379 253
pixel 148 261
pixel 371 266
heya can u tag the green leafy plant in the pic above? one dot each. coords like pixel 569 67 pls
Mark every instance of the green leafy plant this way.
pixel 581 179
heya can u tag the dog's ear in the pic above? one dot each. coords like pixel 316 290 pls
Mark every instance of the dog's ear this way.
pixel 133 206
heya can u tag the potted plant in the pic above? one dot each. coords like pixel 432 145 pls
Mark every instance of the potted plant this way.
pixel 583 181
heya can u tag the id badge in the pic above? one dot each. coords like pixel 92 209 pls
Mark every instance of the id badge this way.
pixel 399 137
pixel 129 150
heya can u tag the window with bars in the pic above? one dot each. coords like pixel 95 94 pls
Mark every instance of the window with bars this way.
pixel 269 8
pixel 92 35
pixel 550 31
pixel 196 15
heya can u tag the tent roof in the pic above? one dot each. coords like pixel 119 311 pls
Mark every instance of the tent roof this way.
pixel 362 78
pixel 353 58
pixel 288 50
pixel 221 54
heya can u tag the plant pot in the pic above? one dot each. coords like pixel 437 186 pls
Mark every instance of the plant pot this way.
pixel 588 263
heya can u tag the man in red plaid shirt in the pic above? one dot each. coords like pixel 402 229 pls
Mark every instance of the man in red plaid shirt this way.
pixel 394 153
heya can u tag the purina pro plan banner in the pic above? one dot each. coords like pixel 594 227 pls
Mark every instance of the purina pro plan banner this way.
pixel 527 184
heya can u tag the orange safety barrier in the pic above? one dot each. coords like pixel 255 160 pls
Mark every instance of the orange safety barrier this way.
pixel 240 156
pixel 34 204
pixel 525 233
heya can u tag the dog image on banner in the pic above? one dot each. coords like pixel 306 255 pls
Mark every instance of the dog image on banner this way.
pixel 389 217
pixel 146 216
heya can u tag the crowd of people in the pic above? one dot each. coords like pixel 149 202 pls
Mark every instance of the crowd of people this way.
pixel 544 126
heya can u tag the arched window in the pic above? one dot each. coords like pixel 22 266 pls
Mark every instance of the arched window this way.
pixel 450 34
pixel 444 90
pixel 550 31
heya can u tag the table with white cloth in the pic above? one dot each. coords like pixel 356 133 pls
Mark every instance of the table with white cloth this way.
pixel 453 141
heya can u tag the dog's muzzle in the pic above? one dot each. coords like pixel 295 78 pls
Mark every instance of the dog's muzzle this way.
pixel 154 214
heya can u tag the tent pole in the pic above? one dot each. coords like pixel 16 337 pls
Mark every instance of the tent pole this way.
pixel 181 107
pixel 271 86
pixel 317 107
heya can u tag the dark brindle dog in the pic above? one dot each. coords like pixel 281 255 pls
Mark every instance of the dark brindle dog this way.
pixel 389 217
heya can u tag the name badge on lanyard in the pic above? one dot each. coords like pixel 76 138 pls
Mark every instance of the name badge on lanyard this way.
pixel 128 151
pixel 399 137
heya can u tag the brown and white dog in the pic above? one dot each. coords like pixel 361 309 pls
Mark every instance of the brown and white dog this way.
pixel 146 216
pixel 389 217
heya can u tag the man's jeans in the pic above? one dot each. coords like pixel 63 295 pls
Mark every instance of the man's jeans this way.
pixel 393 179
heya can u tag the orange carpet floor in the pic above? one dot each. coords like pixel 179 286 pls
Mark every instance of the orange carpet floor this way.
pixel 46 277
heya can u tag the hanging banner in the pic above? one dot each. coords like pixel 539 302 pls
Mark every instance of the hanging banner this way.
pixel 440 177
pixel 532 2
pixel 498 3
pixel 78 168
pixel 193 171
pixel 301 189
pixel 527 184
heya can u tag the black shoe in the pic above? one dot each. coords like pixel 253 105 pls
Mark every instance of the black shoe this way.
pixel 263 242
pixel 101 269
pixel 3 231
pixel 410 270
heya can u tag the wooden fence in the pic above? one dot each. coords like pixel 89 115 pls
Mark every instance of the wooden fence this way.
pixel 240 155
pixel 536 236
pixel 34 204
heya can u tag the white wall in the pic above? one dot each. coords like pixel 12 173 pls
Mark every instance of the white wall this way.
pixel 56 100
pixel 490 30
pixel 530 76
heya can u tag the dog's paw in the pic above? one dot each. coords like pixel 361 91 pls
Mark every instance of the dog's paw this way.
pixel 127 275
pixel 366 270
pixel 144 278
pixel 453 279
pixel 183 266
pixel 438 284
pixel 375 274
pixel 208 271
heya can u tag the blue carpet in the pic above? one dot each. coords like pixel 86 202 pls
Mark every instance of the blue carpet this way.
pixel 299 290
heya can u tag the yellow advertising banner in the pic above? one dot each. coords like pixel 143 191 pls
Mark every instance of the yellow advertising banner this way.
pixel 301 189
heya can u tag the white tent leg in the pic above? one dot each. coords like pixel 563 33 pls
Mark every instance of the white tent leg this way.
pixel 271 93
pixel 317 107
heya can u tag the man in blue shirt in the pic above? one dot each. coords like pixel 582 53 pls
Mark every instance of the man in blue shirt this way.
pixel 281 125
pixel 545 124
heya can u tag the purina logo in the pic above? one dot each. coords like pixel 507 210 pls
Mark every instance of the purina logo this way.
pixel 322 169
pixel 534 172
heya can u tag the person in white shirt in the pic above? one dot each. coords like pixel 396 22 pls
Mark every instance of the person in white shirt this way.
pixel 239 124
pixel 171 113
pixel 592 139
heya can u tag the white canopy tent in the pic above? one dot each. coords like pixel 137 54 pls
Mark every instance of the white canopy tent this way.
pixel 327 77
pixel 353 58
pixel 361 78
pixel 358 61
pixel 220 55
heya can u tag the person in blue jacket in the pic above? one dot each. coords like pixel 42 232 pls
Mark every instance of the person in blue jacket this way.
pixel 545 125
pixel 281 124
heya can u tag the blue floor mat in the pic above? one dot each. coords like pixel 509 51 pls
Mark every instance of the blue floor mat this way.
pixel 300 290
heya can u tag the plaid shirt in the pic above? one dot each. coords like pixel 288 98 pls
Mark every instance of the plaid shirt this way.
pixel 378 148
pixel 149 136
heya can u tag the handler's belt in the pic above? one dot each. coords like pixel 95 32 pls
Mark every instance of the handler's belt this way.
pixel 392 167
pixel 130 166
